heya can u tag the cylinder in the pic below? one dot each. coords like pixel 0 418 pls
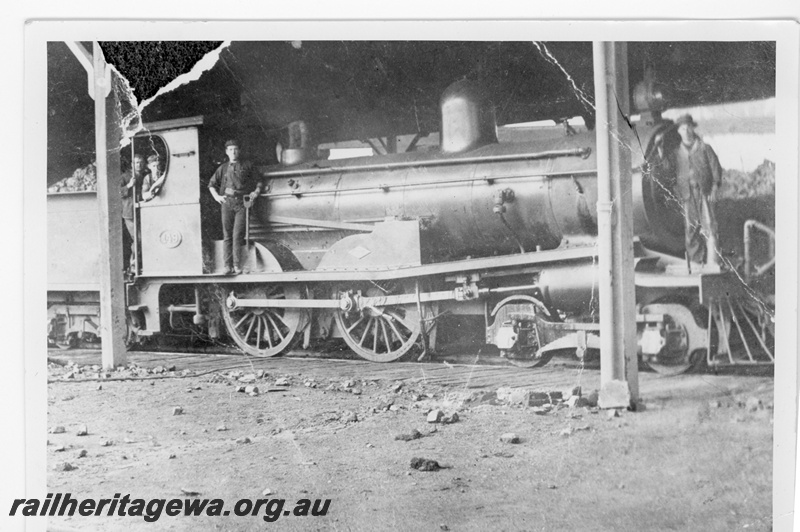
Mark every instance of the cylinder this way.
pixel 571 288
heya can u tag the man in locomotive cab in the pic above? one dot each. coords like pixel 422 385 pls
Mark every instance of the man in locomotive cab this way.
pixel 698 179
pixel 229 185
pixel 131 190
pixel 155 179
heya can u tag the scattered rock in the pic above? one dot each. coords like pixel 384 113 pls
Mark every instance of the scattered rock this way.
pixel 190 492
pixel 172 455
pixel 348 384
pixel 575 392
pixel 611 414
pixel 177 411
pixel 370 446
pixel 348 417
pixel 544 398
pixel 423 464
pixel 592 399
pixel 251 390
pixel 171 368
pixel 355 391
pixel 435 416
pixel 542 410
pixel 452 418
pixel 83 430
pixel 513 396
pixel 583 427
pixel 566 432
pixel 222 428
pixel 523 396
pixel 260 374
pixel 59 449
pixel 250 377
pixel 283 381
pixel 397 387
pixel 753 404
pixel 394 408
pixel 82 453
pixel 578 402
pixel 99 387
pixel 244 439
pixel 413 435
pixel 58 430
pixel 66 466
pixel 509 437
pixel 715 404
pixel 266 492
pixel 107 443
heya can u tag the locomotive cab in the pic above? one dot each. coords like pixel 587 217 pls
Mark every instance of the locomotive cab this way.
pixel 170 228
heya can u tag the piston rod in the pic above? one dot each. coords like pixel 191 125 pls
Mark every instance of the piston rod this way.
pixel 356 302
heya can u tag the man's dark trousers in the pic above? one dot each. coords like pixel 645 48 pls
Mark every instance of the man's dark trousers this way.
pixel 233 228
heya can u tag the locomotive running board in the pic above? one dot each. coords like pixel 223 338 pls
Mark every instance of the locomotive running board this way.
pixel 461 266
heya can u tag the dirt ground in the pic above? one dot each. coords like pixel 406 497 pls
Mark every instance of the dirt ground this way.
pixel 698 458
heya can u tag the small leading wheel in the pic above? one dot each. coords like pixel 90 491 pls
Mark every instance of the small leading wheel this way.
pixel 528 358
pixel 266 331
pixel 520 315
pixel 380 334
pixel 683 339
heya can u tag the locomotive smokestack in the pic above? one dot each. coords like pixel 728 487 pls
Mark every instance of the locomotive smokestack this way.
pixel 468 119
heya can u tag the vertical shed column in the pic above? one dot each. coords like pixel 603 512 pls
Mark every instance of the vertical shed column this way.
pixel 618 348
pixel 107 145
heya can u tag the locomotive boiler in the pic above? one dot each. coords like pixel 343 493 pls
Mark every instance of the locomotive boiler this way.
pixel 379 251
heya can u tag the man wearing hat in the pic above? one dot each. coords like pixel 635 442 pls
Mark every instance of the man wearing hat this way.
pixel 229 185
pixel 699 176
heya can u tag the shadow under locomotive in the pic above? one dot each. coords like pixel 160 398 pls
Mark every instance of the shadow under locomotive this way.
pixel 403 255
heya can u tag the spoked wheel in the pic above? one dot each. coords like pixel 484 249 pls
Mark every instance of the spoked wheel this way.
pixel 683 339
pixel 264 332
pixel 384 333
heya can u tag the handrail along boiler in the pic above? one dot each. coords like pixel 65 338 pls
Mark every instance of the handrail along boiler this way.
pixel 381 250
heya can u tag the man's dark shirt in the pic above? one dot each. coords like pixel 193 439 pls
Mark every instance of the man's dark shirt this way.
pixel 238 176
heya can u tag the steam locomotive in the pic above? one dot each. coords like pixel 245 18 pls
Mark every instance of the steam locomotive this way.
pixel 384 251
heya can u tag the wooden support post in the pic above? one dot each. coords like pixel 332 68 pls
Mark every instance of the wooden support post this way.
pixel 108 135
pixel 618 351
